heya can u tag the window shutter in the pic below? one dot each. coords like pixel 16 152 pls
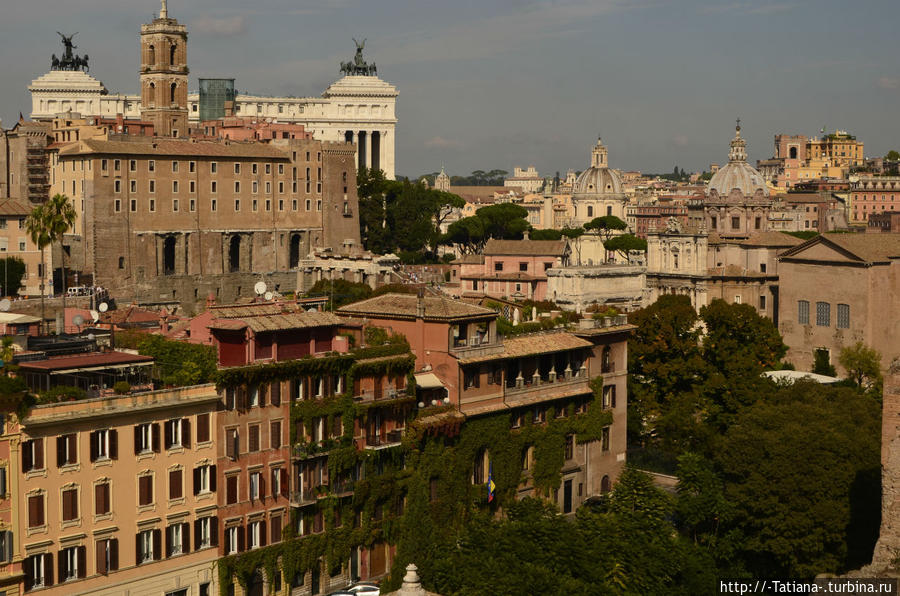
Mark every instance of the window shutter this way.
pixel 67 513
pixel 82 560
pixel 185 432
pixel 185 538
pixel 29 578
pixel 113 444
pixel 138 553
pixel 275 434
pixel 230 442
pixel 175 491
pixel 60 451
pixel 8 545
pixel 284 482
pixel 202 428
pixel 137 439
pixel 3 482
pixel 169 541
pixel 214 530
pixel 33 511
pixel 253 438
pixel 157 543
pixel 262 533
pixel 95 439
pixel 113 554
pixel 48 569
pixel 261 393
pixel 262 485
pixel 101 557
pixel 240 537
pixel 197 523
pixel 155 434
pixel 168 431
pixel 38 461
pixel 196 481
pixel 275 389
pixel 212 478
pixel 98 499
pixel 61 566
pixel 27 456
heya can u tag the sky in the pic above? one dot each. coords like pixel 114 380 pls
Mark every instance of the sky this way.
pixel 490 84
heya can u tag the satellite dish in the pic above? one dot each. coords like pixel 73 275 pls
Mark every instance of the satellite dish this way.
pixel 312 310
pixel 269 295
pixel 95 315
pixel 260 288
pixel 103 307
pixel 78 320
pixel 91 336
pixel 5 304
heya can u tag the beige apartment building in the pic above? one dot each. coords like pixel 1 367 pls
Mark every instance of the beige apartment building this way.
pixel 117 495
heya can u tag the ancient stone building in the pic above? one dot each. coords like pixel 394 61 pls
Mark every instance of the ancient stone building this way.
pixel 598 190
pixel 163 219
pixel 164 74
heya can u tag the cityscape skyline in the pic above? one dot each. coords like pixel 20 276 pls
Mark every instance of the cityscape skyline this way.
pixel 431 54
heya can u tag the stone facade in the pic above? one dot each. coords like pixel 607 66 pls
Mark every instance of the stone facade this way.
pixel 181 219
pixel 619 286
pixel 870 195
pixel 164 75
pixel 836 290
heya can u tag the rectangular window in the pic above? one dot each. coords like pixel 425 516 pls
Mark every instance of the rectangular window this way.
pixel 256 532
pixel 803 312
pixel 237 186
pixel 177 433
pixel 152 186
pixel 133 205
pixel 604 439
pixel 232 443
pixel 268 168
pixel 152 205
pixel 133 185
pixel 275 434
pixel 176 540
pixel 145 490
pixel 498 266
pixel 35 511
pixel 237 204
pixel 762 303
pixel 213 187
pixel 213 167
pixel 205 530
pixel 253 438
pixel 237 168
pixel 146 438
pixel 33 455
pixel 232 540
pixel 175 205
pixel 151 166
pixel 192 166
pixel 231 490
pixel 132 165
pixel 66 450
pixel 70 504
pixel 148 546
pixel 276 529
pixel 107 555
pixel 523 266
pixel 192 205
pixel 268 188
pixel 118 205
pixel 213 205
pixel 176 489
pixel 254 187
pixel 101 498
pixel 117 186
pixel 255 486
pixel 823 314
pixel 174 166
pixel 203 435
pixel 843 316
pixel 174 186
pixel 71 563
pixel 104 445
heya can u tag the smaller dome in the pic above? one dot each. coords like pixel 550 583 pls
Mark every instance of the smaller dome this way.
pixel 598 179
pixel 737 173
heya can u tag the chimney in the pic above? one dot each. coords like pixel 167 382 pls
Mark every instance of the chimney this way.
pixel 420 304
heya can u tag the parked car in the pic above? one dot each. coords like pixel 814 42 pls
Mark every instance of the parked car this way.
pixel 364 589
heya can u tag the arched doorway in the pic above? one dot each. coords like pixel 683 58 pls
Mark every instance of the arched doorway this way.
pixel 605 485
pixel 169 255
pixel 234 254
pixel 295 251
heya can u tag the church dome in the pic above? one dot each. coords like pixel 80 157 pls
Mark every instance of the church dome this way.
pixel 737 173
pixel 598 179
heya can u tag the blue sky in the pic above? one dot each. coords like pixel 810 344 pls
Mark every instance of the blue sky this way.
pixel 492 84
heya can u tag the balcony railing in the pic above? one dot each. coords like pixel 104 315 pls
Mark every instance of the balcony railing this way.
pixel 383 441
pixel 551 388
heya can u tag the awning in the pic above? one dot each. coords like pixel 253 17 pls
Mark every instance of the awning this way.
pixel 428 381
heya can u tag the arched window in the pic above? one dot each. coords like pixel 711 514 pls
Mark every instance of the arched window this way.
pixel 605 485
pixel 152 56
pixel 234 254
pixel 793 153
pixel 172 92
pixel 169 256
pixel 172 55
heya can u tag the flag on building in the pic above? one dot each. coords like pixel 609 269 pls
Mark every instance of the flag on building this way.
pixel 490 482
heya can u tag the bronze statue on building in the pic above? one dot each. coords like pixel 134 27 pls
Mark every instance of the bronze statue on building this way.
pixel 358 66
pixel 69 60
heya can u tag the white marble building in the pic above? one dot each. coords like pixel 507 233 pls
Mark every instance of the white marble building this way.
pixel 355 108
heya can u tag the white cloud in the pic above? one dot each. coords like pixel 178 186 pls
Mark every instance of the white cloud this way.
pixel 228 27
pixel 888 83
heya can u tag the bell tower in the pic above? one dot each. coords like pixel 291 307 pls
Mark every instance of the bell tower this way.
pixel 164 75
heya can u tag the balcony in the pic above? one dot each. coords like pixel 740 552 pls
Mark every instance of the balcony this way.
pixel 384 441
pixel 534 389
pixel 311 494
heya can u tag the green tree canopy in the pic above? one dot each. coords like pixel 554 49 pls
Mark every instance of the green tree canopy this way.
pixel 501 221
pixel 863 366
pixel 12 272
pixel 179 363
pixel 606 225
pixel 340 292
pixel 892 155
pixel 625 243
pixel 401 216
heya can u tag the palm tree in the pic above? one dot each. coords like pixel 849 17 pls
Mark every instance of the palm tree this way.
pixel 61 216
pixel 36 225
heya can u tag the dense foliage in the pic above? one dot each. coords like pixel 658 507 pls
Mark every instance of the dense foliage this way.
pixel 179 363
pixel 339 292
pixel 477 178
pixel 501 221
pixel 12 271
pixel 401 216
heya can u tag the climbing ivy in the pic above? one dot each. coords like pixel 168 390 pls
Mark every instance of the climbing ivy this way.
pixel 423 487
